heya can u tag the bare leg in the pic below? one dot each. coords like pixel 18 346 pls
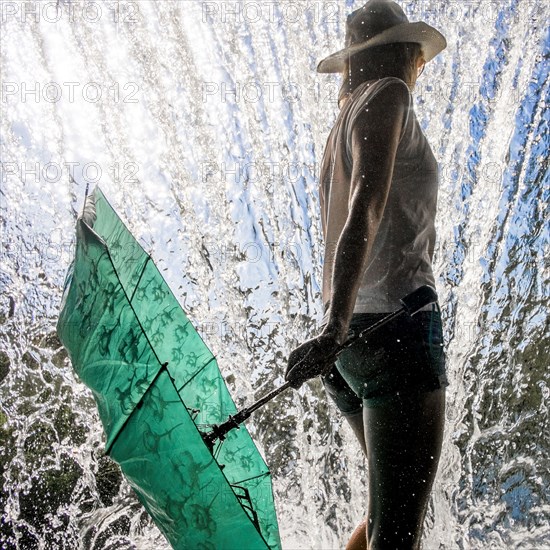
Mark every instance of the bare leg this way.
pixel 404 443
pixel 358 539
pixel 358 427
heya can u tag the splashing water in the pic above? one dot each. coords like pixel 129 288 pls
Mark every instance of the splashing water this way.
pixel 204 123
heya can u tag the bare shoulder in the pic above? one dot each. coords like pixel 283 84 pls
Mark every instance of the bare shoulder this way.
pixel 388 105
pixel 378 126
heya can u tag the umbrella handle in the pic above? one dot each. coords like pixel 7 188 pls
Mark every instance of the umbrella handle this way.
pixel 219 431
pixel 412 303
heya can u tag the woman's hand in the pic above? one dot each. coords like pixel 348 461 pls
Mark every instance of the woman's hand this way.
pixel 312 358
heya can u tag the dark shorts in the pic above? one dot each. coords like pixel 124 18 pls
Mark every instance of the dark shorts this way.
pixel 403 357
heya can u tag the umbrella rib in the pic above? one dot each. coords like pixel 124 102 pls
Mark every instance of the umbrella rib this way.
pixel 163 367
pixel 130 303
pixel 131 298
pixel 196 374
pixel 231 485
pixel 253 477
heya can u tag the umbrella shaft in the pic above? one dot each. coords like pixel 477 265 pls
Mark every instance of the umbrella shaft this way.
pixel 372 328
pixel 265 399
pixel 412 303
pixel 220 430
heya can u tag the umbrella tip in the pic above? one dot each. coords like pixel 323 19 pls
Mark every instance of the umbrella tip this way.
pixel 86 193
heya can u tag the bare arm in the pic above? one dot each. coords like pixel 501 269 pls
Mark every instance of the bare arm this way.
pixel 375 138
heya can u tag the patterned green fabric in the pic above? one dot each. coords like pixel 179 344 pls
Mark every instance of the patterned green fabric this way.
pixel 156 385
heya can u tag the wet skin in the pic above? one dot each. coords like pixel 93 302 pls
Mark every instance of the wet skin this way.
pixel 403 440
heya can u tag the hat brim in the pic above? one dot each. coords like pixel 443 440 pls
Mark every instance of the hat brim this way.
pixel 431 40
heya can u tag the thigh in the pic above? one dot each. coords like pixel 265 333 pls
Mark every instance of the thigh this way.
pixel 403 437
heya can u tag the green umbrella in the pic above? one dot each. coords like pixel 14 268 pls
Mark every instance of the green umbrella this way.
pixel 159 390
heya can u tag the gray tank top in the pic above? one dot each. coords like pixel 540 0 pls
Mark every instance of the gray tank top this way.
pixel 403 249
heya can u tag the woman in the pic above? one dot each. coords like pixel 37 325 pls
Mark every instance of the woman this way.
pixel 378 192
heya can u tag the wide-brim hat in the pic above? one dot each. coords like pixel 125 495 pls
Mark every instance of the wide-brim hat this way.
pixel 381 22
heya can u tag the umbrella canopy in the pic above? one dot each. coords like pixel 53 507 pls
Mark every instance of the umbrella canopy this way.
pixel 158 388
